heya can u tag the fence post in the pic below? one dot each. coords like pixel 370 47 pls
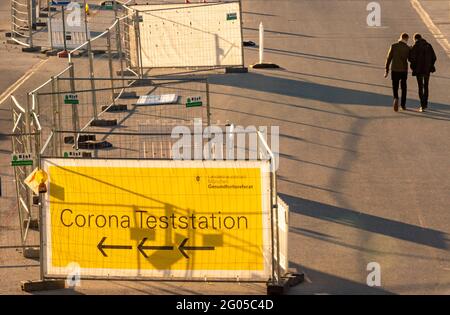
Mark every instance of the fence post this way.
pixel 242 35
pixel 49 12
pixel 75 122
pixel 58 102
pixel 208 108
pixel 54 115
pixel 30 23
pixel 119 51
pixel 27 124
pixel 110 64
pixel 138 45
pixel 92 79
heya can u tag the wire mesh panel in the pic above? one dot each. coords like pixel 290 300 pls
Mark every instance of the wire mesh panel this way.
pixel 188 35
pixel 166 220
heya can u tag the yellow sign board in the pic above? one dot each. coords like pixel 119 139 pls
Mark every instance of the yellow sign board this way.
pixel 158 219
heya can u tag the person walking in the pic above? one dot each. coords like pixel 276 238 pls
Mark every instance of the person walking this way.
pixel 398 56
pixel 423 59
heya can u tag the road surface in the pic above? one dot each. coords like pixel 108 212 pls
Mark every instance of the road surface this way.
pixel 364 184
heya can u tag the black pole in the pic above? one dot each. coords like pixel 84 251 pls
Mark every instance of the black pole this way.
pixel 64 28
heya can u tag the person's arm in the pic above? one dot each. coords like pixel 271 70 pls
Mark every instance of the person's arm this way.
pixel 433 56
pixel 412 57
pixel 388 61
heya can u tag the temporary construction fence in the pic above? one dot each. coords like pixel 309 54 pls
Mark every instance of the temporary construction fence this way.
pixel 25 137
pixel 193 35
pixel 149 105
pixel 163 219
pixel 39 23
pixel 121 203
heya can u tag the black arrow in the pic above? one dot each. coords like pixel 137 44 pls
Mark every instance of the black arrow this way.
pixel 142 248
pixel 100 247
pixel 182 248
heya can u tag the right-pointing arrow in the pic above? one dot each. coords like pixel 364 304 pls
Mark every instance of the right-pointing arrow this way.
pixel 142 248
pixel 183 248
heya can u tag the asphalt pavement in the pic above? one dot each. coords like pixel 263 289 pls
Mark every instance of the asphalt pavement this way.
pixel 364 183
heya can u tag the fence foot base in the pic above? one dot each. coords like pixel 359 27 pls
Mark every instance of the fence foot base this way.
pixel 41 24
pixel 52 53
pixel 42 285
pixel 265 65
pixel 236 70
pixel 8 34
pixel 141 82
pixel 31 49
pixel 103 122
pixel 51 9
pixel 115 108
pixel 81 138
pixel 95 145
pixel 31 252
pixel 98 52
pixel 34 223
pixel 63 54
pixel 287 281
pixel 125 73
pixel 126 95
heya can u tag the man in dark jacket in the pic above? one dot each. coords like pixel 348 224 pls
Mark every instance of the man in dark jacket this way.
pixel 422 59
pixel 398 55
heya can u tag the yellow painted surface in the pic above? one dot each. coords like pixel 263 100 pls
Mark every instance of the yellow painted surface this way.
pixel 216 209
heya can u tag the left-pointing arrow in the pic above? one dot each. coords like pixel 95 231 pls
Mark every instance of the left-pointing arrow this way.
pixel 142 248
pixel 101 247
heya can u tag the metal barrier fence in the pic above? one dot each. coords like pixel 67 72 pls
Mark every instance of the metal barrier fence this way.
pixel 78 117
pixel 274 243
pixel 32 20
pixel 100 109
pixel 25 138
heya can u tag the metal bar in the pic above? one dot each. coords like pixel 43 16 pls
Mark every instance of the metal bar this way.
pixel 119 50
pixel 17 122
pixel 92 81
pixel 241 31
pixel 30 24
pixel 36 120
pixel 208 108
pixel 16 103
pixel 50 24
pixel 64 27
pixel 121 133
pixel 54 113
pixel 75 124
pixel 136 30
pixel 58 102
pixel 110 65
pixel 46 143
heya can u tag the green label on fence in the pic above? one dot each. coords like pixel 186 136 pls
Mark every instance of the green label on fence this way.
pixel 22 163
pixel 71 99
pixel 194 101
pixel 231 16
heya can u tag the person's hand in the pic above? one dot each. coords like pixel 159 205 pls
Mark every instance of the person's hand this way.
pixel 386 73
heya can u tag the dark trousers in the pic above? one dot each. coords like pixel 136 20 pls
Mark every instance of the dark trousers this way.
pixel 422 82
pixel 399 79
